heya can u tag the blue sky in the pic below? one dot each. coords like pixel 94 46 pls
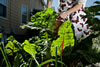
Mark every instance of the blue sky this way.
pixel 89 3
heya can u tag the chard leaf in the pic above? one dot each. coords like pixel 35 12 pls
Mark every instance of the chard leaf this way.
pixel 66 31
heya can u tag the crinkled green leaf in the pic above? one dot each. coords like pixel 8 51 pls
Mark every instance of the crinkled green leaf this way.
pixel 30 48
pixel 10 48
pixel 11 38
pixel 43 19
pixel 66 31
pixel 49 11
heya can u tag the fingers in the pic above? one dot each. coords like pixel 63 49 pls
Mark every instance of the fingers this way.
pixel 63 15
pixel 59 18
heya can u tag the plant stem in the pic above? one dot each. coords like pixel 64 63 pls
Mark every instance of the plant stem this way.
pixel 35 59
pixel 4 55
pixel 56 58
pixel 30 62
pixel 61 60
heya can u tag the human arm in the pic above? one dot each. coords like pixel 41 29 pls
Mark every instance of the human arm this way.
pixel 49 3
pixel 75 8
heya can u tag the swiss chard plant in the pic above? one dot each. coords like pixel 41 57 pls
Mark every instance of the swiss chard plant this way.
pixel 65 39
pixel 44 49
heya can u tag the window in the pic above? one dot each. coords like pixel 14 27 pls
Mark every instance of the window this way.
pixel 24 14
pixel 3 8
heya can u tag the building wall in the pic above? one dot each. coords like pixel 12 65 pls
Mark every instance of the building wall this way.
pixel 36 4
pixel 13 20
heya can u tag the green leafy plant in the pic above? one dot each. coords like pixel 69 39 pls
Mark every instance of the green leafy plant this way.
pixel 83 50
pixel 66 32
pixel 2 49
pixel 31 49
pixel 42 20
pixel 38 50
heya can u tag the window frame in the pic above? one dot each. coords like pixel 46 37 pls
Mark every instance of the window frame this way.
pixel 22 13
pixel 1 17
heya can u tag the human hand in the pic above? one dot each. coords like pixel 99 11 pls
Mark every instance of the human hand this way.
pixel 64 15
